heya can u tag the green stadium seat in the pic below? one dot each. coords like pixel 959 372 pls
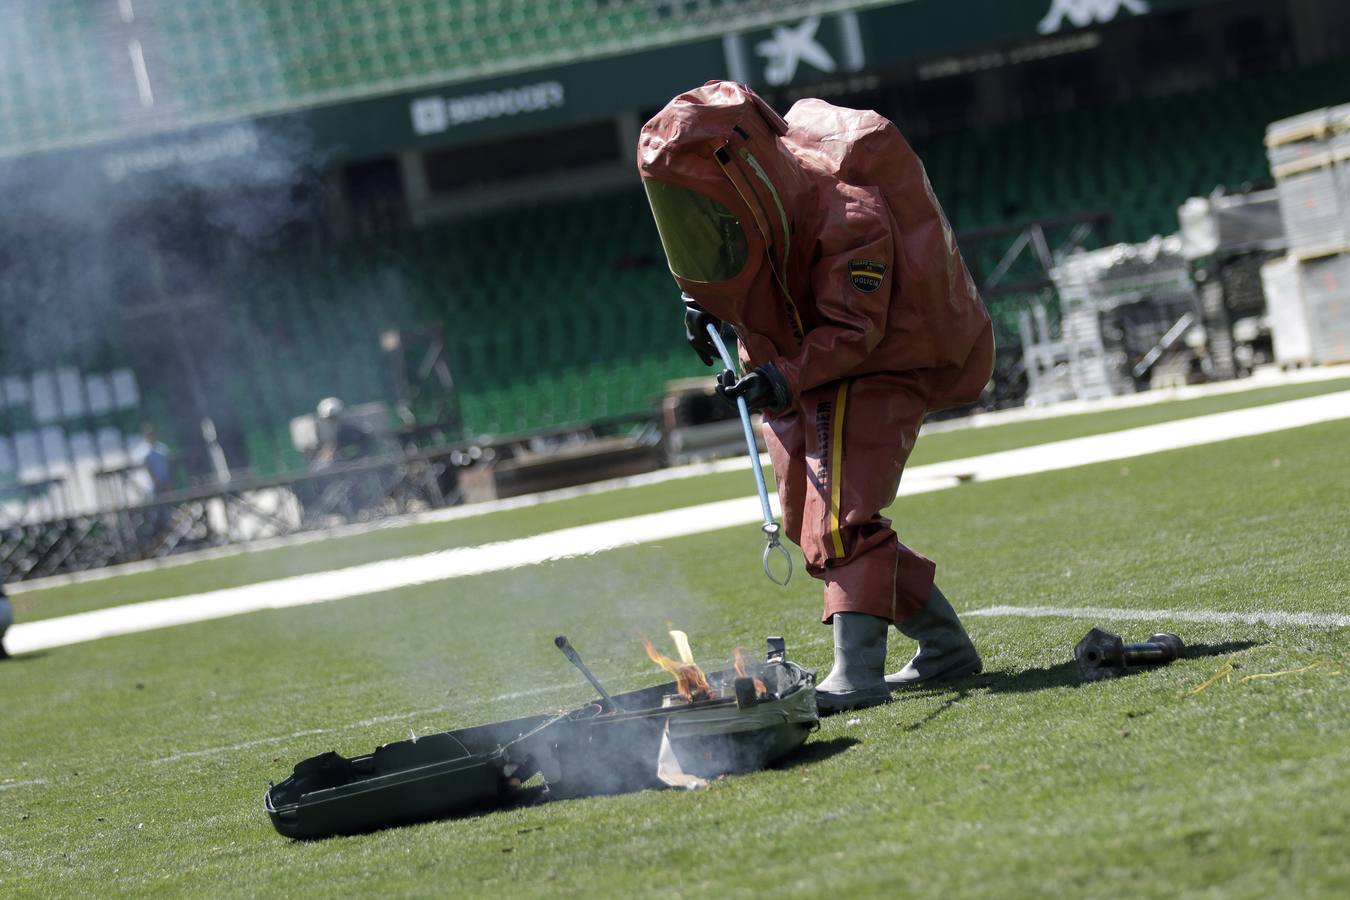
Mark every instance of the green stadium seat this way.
pixel 584 329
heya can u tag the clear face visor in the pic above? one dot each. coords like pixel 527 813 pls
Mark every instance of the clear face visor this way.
pixel 703 240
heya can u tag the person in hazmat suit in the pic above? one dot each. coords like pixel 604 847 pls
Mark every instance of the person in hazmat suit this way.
pixel 818 239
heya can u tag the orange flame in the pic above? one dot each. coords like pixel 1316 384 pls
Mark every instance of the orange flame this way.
pixel 689 678
pixel 741 671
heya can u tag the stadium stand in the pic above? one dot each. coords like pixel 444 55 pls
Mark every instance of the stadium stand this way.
pixel 1137 159
pixel 582 327
pixel 224 59
pixel 590 307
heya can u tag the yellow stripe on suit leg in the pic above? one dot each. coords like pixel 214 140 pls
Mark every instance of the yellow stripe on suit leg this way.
pixel 837 467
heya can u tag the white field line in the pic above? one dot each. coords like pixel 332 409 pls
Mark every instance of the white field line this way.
pixel 429 517
pixel 351 726
pixel 1174 435
pixel 1268 377
pixel 312 732
pixel 1274 618
pixel 10 785
pixel 366 723
pixel 321 587
pixel 585 540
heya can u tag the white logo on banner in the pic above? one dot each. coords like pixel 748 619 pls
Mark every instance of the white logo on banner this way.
pixel 432 115
pixel 789 47
pixel 786 47
pixel 1080 13
pixel 429 115
pixel 234 142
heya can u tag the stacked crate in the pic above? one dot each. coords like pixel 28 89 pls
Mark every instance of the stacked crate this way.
pixel 1325 282
pixel 1314 197
pixel 1310 159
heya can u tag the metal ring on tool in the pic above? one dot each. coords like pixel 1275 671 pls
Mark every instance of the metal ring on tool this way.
pixel 771 533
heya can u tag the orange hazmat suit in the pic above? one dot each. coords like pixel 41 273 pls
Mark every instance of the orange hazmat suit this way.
pixel 817 237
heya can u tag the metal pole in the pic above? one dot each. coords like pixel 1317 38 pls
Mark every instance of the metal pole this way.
pixel 770 527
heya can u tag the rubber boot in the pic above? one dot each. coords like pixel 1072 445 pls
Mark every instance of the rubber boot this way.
pixel 945 650
pixel 857 679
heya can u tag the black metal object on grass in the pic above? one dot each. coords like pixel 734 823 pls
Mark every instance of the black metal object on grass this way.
pixel 1101 654
pixel 563 644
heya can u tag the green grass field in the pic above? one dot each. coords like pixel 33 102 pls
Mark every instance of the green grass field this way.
pixel 136 765
pixel 346 551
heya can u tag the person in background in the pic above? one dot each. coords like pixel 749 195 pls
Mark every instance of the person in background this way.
pixel 341 437
pixel 156 461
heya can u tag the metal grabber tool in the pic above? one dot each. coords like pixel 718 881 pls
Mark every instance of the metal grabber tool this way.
pixel 770 527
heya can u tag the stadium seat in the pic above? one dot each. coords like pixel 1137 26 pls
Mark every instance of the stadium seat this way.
pixel 588 326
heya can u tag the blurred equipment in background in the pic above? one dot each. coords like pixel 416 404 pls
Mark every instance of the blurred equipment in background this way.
pixel 1309 155
pixel 214 452
pixel 698 425
pixel 1228 237
pixel 1220 298
pixel 1129 322
pixel 1309 290
pixel 1013 265
pixel 345 436
pixel 1288 317
pixel 525 464
pixel 1231 224
pixel 360 466
pixel 425 398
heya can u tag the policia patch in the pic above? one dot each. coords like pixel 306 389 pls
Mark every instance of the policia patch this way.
pixel 865 274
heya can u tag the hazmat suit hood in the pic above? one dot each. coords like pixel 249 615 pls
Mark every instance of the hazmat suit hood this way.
pixel 818 238
pixel 728 198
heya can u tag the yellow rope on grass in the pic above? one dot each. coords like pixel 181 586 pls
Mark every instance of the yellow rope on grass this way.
pixel 1225 673
pixel 1316 665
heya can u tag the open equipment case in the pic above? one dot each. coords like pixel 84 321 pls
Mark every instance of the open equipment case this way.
pixel 647 738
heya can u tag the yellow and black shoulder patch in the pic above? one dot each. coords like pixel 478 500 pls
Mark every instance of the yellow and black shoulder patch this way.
pixel 865 274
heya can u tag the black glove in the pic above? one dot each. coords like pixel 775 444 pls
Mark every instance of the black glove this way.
pixel 762 388
pixel 696 322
